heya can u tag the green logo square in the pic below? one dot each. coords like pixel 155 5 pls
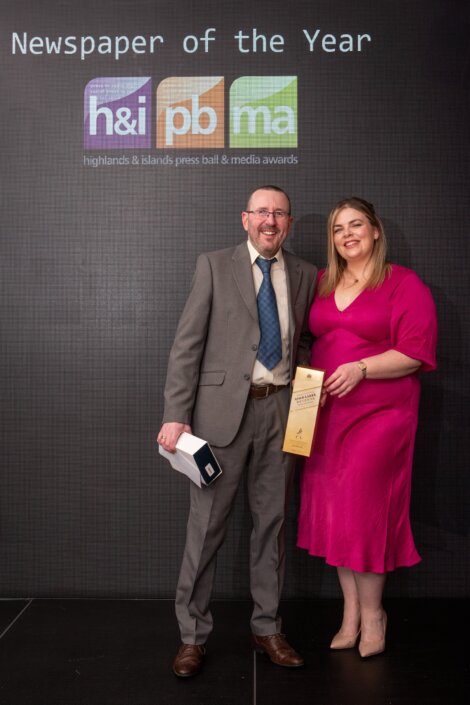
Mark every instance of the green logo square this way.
pixel 263 112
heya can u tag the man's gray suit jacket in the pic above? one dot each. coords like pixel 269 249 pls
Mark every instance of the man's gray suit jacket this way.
pixel 212 358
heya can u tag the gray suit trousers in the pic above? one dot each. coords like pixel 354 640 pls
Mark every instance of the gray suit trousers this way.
pixel 256 449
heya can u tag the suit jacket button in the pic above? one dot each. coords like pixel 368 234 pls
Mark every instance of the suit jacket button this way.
pixel 247 377
pixel 254 346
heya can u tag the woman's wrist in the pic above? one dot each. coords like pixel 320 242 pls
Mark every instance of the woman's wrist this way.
pixel 363 367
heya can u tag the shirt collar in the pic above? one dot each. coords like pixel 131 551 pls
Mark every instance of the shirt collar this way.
pixel 254 254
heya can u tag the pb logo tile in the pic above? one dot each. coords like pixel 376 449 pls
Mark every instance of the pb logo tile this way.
pixel 263 112
pixel 190 113
pixel 117 113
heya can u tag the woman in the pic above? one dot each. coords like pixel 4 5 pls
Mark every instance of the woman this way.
pixel 375 327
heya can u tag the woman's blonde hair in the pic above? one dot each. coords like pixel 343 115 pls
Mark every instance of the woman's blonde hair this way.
pixel 337 264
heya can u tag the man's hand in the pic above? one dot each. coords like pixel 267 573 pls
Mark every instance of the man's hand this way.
pixel 169 434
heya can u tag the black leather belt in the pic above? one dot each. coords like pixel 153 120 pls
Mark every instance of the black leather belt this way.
pixel 261 392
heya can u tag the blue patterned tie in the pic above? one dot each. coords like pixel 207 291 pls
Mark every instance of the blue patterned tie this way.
pixel 270 347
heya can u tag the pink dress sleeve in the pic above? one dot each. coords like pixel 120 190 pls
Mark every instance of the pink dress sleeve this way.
pixel 414 321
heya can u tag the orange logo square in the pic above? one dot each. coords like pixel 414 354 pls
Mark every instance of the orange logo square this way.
pixel 190 112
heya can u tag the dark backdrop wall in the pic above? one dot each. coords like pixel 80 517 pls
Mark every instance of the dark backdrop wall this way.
pixel 100 233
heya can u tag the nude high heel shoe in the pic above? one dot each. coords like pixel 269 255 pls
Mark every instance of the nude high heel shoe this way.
pixel 344 641
pixel 372 647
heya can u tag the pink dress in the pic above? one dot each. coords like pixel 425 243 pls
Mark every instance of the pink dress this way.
pixel 356 485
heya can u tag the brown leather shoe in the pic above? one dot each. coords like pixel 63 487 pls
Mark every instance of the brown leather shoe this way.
pixel 189 660
pixel 278 650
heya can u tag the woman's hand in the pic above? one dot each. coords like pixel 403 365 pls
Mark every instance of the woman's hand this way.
pixel 344 379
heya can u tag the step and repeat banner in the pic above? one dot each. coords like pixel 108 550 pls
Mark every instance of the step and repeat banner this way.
pixel 131 135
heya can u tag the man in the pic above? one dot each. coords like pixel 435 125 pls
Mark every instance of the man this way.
pixel 241 333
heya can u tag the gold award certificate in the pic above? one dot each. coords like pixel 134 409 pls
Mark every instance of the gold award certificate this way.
pixel 303 412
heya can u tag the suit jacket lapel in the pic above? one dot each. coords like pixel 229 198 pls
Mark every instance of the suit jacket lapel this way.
pixel 243 275
pixel 294 277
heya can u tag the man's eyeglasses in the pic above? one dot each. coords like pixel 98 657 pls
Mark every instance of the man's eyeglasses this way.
pixel 264 213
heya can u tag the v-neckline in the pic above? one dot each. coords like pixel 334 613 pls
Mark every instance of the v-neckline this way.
pixel 342 310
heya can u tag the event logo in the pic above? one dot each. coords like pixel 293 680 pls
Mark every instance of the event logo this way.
pixel 190 113
pixel 263 111
pixel 117 113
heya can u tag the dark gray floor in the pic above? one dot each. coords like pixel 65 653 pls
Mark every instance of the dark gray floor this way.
pixel 119 652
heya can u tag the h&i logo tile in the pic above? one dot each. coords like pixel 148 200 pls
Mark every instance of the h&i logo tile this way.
pixel 263 112
pixel 117 113
pixel 190 112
